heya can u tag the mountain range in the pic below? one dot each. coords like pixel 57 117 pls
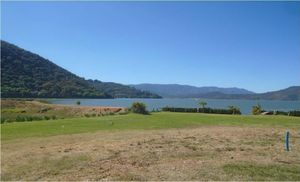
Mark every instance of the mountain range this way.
pixel 187 91
pixel 184 91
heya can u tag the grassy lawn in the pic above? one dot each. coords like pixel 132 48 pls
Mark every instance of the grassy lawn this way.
pixel 160 146
pixel 161 120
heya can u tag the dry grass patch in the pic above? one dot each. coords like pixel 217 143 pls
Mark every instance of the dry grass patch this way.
pixel 22 110
pixel 204 153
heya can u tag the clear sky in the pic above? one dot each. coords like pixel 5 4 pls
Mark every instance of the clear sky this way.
pixel 253 45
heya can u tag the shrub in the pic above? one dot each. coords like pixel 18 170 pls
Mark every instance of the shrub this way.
pixel 29 118
pixel 20 118
pixel 280 113
pixel 3 120
pixel 202 104
pixel 78 102
pixel 202 110
pixel 256 109
pixel 139 107
pixel 37 118
pixel 234 110
pixel 294 113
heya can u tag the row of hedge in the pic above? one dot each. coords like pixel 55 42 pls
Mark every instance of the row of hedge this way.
pixel 288 113
pixel 28 118
pixel 202 110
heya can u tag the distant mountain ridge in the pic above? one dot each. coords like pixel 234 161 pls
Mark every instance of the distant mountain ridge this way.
pixel 25 74
pixel 186 91
pixel 183 91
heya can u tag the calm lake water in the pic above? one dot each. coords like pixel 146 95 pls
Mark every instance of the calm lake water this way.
pixel 244 105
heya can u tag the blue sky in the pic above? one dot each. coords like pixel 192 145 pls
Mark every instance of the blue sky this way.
pixel 253 45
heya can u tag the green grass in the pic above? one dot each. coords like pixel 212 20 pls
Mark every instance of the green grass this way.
pixel 263 172
pixel 161 120
pixel 50 167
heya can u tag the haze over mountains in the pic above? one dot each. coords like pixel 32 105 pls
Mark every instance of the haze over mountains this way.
pixel 183 91
pixel 186 91
pixel 25 74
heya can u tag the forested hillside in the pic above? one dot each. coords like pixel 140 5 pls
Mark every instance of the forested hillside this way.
pixel 25 74
pixel 121 91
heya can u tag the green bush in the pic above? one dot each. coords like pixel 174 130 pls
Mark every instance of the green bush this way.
pixel 202 110
pixel 139 107
pixel 289 113
pixel 234 109
pixel 3 120
pixel 29 118
pixel 20 119
pixel 37 118
pixel 257 109
pixel 294 113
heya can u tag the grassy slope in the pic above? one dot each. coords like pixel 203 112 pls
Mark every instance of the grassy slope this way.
pixel 250 150
pixel 12 109
pixel 133 121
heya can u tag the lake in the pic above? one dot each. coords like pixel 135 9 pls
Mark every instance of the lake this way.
pixel 244 105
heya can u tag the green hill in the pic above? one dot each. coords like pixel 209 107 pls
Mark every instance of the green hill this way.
pixel 25 74
pixel 121 91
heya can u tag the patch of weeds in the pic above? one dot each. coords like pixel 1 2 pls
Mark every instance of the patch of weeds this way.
pixel 44 168
pixel 258 172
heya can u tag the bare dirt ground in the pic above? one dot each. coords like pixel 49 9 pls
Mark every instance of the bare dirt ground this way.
pixel 205 153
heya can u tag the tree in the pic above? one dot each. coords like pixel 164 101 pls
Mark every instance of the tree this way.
pixel 256 109
pixel 139 107
pixel 203 104
pixel 234 109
